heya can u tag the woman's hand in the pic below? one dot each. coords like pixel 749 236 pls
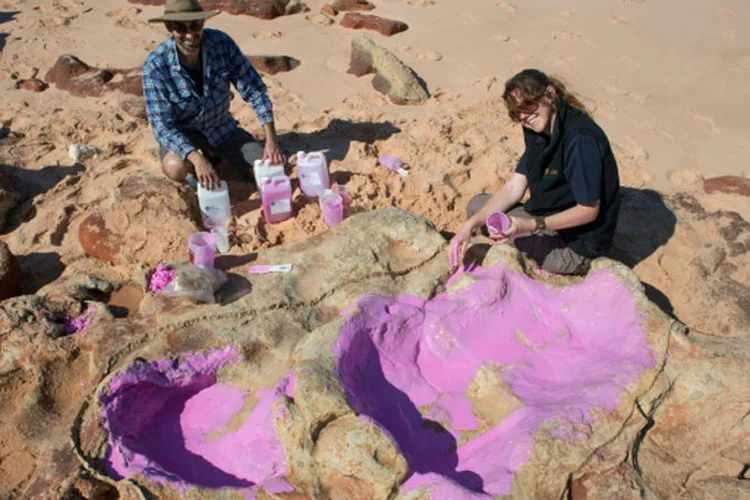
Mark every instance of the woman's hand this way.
pixel 460 243
pixel 518 226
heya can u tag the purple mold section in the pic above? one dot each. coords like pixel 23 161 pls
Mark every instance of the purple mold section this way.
pixel 407 365
pixel 171 422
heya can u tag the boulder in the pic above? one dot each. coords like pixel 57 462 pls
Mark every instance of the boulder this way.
pixel 342 5
pixel 75 76
pixel 329 10
pixel 32 84
pixel 134 106
pixel 271 65
pixel 386 27
pixel 148 219
pixel 263 9
pixel 392 77
pixel 10 273
pixel 8 197
pixel 728 184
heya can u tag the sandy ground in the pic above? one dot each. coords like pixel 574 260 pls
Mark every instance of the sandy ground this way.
pixel 668 81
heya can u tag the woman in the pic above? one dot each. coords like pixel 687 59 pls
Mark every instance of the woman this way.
pixel 568 166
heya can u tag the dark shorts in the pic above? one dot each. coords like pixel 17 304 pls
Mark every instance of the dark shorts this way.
pixel 548 249
pixel 240 150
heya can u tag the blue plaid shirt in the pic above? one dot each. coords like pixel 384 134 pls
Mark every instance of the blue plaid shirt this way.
pixel 174 105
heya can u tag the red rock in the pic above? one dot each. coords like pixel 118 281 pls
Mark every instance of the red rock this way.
pixel 32 84
pixel 273 64
pixel 134 106
pixel 383 26
pixel 342 5
pixel 329 10
pixel 263 9
pixel 96 240
pixel 728 184
pixel 10 273
pixel 75 76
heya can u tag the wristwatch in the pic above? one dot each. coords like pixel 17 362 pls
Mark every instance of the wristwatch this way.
pixel 540 225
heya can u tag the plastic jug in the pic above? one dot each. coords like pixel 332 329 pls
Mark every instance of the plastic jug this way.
pixel 202 249
pixel 332 206
pixel 265 169
pixel 276 194
pixel 214 202
pixel 312 170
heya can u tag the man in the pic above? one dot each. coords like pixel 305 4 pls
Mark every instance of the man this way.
pixel 186 84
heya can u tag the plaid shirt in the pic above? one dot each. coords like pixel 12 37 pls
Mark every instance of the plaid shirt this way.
pixel 174 105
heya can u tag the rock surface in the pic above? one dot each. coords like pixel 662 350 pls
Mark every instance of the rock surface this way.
pixel 271 65
pixel 118 235
pixel 343 5
pixel 386 27
pixel 727 184
pixel 263 9
pixel 392 77
pixel 10 273
pixel 75 76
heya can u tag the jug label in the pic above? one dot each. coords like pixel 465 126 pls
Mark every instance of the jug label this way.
pixel 281 207
pixel 312 179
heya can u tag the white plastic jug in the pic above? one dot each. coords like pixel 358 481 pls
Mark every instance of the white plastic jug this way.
pixel 312 170
pixel 263 169
pixel 214 202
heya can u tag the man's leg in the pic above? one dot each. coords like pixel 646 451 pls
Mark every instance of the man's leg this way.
pixel 175 167
pixel 241 150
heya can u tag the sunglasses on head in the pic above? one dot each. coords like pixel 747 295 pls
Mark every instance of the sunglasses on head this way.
pixel 524 109
pixel 184 27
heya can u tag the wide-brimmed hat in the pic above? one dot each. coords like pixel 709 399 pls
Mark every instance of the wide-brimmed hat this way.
pixel 183 10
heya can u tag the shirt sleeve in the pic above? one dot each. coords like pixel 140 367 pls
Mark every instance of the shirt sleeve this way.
pixel 248 83
pixel 159 112
pixel 583 168
pixel 522 167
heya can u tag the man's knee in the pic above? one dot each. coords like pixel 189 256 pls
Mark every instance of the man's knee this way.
pixel 175 167
pixel 251 151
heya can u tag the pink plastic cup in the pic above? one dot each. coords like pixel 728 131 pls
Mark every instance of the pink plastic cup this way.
pixel 332 206
pixel 202 249
pixel 497 222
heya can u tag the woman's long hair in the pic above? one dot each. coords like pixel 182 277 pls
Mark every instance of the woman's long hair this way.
pixel 531 86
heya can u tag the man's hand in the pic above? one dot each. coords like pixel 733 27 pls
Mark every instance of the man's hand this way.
pixel 272 152
pixel 460 243
pixel 204 171
pixel 518 226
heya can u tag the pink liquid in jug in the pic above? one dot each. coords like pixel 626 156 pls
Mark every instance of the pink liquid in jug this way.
pixel 276 193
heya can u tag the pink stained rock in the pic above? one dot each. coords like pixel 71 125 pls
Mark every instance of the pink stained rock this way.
pixel 398 356
pixel 386 27
pixel 162 277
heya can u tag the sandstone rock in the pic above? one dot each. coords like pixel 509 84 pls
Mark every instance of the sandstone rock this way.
pixel 32 84
pixel 392 77
pixel 263 9
pixel 10 273
pixel 387 27
pixel 121 234
pixel 134 106
pixel 73 75
pixel 728 184
pixel 342 5
pixel 273 64
pixel 8 197
pixel 329 10
pixel 320 19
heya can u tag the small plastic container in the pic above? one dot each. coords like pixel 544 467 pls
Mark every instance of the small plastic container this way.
pixel 276 195
pixel 263 169
pixel 497 222
pixel 214 201
pixel 221 236
pixel 202 249
pixel 393 164
pixel 332 206
pixel 312 170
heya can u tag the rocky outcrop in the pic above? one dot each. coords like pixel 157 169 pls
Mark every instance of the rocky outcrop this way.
pixel 263 9
pixel 392 77
pixel 271 65
pixel 8 197
pixel 75 76
pixel 120 234
pixel 32 84
pixel 343 5
pixel 386 27
pixel 10 273
pixel 728 184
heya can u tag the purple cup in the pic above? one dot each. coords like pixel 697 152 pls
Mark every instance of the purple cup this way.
pixel 497 222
